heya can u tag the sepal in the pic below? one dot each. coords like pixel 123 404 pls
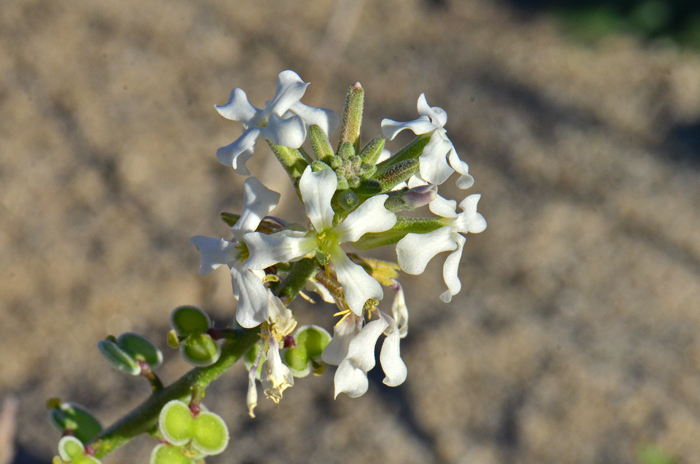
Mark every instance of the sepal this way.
pixel 402 227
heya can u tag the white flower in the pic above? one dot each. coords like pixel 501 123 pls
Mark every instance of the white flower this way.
pixel 283 121
pixel 434 166
pixel 352 349
pixel 317 189
pixel 399 309
pixel 247 286
pixel 414 251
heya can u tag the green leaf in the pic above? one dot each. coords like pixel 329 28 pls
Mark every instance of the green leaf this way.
pixel 189 320
pixel 176 423
pixel 209 433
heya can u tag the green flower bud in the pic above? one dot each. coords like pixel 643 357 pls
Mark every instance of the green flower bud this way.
pixel 67 416
pixel 187 320
pixel 394 174
pixel 118 357
pixel 319 166
pixel 370 154
pixel 346 151
pixel 200 350
pixel 320 144
pixel 342 183
pixel 354 182
pixel 335 162
pixel 352 116
pixel 167 454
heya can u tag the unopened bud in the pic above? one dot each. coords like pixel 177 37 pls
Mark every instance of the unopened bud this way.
pixel 420 196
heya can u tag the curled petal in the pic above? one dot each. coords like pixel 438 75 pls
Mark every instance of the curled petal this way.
pixel 469 221
pixel 258 202
pixel 443 207
pixel 240 151
pixel 350 379
pixel 280 315
pixel 399 310
pixel 280 247
pixel 437 115
pixel 238 108
pixel 290 89
pixel 465 179
pixel 390 357
pixel 313 286
pixel 370 216
pixel 414 251
pixel 361 348
pixel 391 128
pixel 251 294
pixel 358 286
pixel 324 118
pixel 433 160
pixel 450 271
pixel 420 195
pixel 343 333
pixel 289 132
pixel 317 189
pixel 251 397
pixel 214 252
pixel 276 376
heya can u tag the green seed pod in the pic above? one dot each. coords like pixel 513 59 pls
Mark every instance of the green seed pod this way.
pixel 175 422
pixel 297 360
pixel 141 349
pixel 118 357
pixel 187 320
pixel 70 449
pixel 68 416
pixel 200 350
pixel 370 154
pixel 346 151
pixel 168 454
pixel 313 338
pixel 347 199
pixel 209 434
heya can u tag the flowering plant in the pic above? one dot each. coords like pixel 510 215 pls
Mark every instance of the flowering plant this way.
pixel 352 195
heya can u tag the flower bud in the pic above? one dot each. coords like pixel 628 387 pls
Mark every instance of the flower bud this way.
pixel 420 196
pixel 346 151
pixel 370 154
pixel 352 116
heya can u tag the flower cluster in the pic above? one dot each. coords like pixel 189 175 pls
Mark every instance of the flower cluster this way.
pixel 352 195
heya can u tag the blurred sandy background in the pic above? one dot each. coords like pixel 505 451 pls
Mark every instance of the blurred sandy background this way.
pixel 575 337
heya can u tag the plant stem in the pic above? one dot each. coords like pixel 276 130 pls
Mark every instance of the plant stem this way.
pixel 145 416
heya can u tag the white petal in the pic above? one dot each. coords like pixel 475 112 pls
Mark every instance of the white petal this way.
pixel 414 251
pixel 361 349
pixel 433 160
pixel 240 151
pixel 317 189
pixel 251 397
pixel 313 286
pixel 258 201
pixel 289 132
pixel 290 89
pixel 399 309
pixel 370 216
pixel 343 333
pixel 437 115
pixel 390 357
pixel 450 270
pixel 280 315
pixel 358 286
pixel 251 295
pixel 350 379
pixel 465 179
pixel 324 118
pixel 444 208
pixel 416 181
pixel 391 128
pixel 281 247
pixel 238 108
pixel 469 221
pixel 214 252
pixel 276 376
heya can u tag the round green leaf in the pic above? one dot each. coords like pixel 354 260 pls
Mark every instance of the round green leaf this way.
pixel 189 320
pixel 118 357
pixel 166 454
pixel 175 422
pixel 70 448
pixel 140 348
pixel 200 350
pixel 210 434
pixel 76 418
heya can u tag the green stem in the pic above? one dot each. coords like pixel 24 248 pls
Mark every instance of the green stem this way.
pixel 145 417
